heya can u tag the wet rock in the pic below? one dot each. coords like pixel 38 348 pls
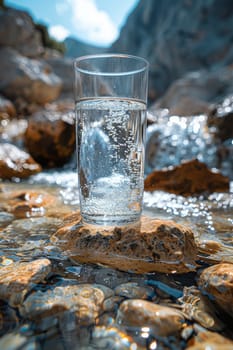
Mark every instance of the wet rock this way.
pixel 15 162
pixel 84 300
pixel 14 341
pixel 221 118
pixel 161 320
pixel 7 109
pixel 5 218
pixel 9 319
pixel 189 178
pixel 12 131
pixel 217 282
pixel 198 307
pixel 112 338
pixel 29 203
pixel 18 31
pixel 27 78
pixel 133 290
pixel 17 279
pixel 154 245
pixel 50 136
pixel 209 340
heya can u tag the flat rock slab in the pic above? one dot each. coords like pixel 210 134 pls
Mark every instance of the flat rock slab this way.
pixel 17 279
pixel 151 246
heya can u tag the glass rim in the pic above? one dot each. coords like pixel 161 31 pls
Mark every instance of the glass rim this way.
pixel 111 55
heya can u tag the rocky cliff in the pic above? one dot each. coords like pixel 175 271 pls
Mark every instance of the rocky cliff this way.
pixel 178 37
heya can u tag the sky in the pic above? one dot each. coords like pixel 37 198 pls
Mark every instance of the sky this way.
pixel 96 22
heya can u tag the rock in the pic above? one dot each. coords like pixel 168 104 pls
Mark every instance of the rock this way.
pixel 221 118
pixel 133 290
pixel 18 31
pixel 199 308
pixel 29 203
pixel 195 92
pixel 64 69
pixel 7 109
pixel 27 78
pixel 190 178
pixel 16 163
pixel 177 37
pixel 50 136
pixel 111 337
pixel 17 279
pixel 217 282
pixel 209 340
pixel 161 320
pixel 154 246
pixel 84 300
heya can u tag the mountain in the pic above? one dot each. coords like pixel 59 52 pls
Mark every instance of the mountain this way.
pixel 178 37
pixel 75 48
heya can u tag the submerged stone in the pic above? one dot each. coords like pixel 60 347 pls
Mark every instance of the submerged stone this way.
pixel 207 340
pixel 154 245
pixel 160 319
pixel 17 279
pixel 84 300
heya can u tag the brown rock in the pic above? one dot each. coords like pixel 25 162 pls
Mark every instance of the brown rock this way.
pixel 50 136
pixel 84 300
pixel 17 279
pixel 163 320
pixel 217 281
pixel 29 79
pixel 190 178
pixel 7 109
pixel 209 340
pixel 154 245
pixel 16 163
pixel 25 203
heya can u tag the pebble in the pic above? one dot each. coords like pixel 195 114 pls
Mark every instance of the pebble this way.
pixel 162 320
pixel 133 290
pixel 84 300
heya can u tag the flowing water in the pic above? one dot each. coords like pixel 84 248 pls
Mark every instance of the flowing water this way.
pixel 25 235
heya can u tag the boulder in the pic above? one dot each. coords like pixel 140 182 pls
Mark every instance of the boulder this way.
pixel 217 282
pixel 27 78
pixel 152 246
pixel 195 92
pixel 190 178
pixel 14 162
pixel 50 135
pixel 17 30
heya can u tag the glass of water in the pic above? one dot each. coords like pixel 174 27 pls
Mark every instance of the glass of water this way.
pixel 110 104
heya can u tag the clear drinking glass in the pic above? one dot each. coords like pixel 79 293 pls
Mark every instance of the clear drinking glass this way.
pixel 111 98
